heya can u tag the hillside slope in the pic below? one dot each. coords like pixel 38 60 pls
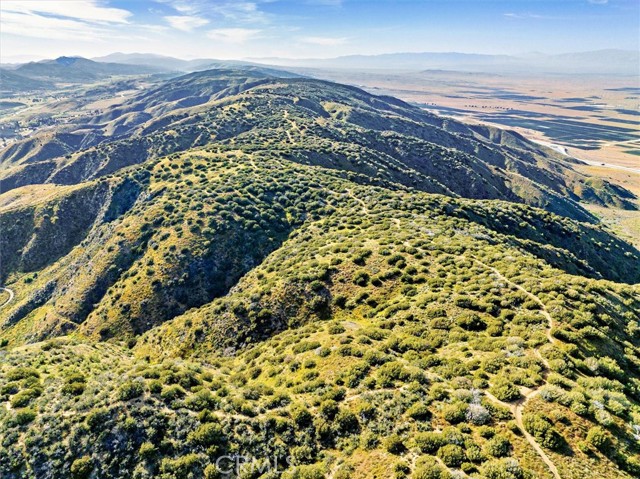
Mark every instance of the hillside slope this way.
pixel 177 232
pixel 79 70
pixel 314 122
pixel 309 291
pixel 358 330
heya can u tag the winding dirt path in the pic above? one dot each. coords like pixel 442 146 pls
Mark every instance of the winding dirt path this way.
pixel 530 295
pixel 365 209
pixel 11 295
pixel 517 407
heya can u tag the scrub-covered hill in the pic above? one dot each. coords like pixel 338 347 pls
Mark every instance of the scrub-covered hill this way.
pixel 313 122
pixel 318 290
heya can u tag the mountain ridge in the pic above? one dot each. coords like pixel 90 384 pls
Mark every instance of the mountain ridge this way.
pixel 326 283
pixel 490 163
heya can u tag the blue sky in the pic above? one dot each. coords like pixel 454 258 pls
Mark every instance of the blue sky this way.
pixel 312 28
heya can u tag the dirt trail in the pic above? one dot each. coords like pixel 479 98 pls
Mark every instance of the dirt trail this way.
pixel 11 295
pixel 294 126
pixel 533 297
pixel 365 209
pixel 517 407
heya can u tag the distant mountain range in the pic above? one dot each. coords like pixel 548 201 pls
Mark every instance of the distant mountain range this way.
pixel 45 74
pixel 619 62
pixel 168 63
pixel 42 74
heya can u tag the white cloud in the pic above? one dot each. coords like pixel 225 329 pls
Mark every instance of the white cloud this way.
pixel 182 6
pixel 45 27
pixel 238 11
pixel 186 23
pixel 233 35
pixel 85 10
pixel 325 41
pixel 530 16
pixel 61 19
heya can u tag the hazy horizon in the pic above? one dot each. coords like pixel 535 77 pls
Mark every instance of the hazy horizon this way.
pixel 33 30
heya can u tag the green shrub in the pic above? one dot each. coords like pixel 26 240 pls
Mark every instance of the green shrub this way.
pixel 147 450
pixel 10 388
pixel 201 400
pixel 335 328
pixel 24 416
pixel 391 372
pixel 497 446
pixel 305 346
pixel 361 278
pixel 207 434
pixel 539 427
pixel 301 415
pixel 96 419
pixel 355 374
pixel 328 409
pixel 471 322
pixel 130 390
pixel 346 422
pixel 369 440
pixel 454 413
pixel 365 410
pixel 81 468
pixel 599 438
pixel 182 467
pixel 73 388
pixel 451 454
pixel 311 471
pixel 19 373
pixel 303 454
pixel 394 444
pixel 155 386
pixel 172 392
pixel 506 468
pixel 428 468
pixel 419 412
pixel 23 398
pixel 429 442
pixel 212 472
pixel 401 468
pixel 504 389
